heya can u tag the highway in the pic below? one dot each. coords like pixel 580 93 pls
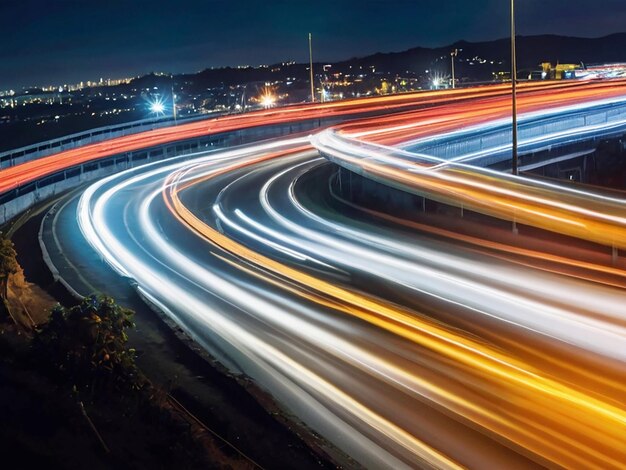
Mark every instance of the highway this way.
pixel 22 174
pixel 375 147
pixel 405 344
pixel 284 288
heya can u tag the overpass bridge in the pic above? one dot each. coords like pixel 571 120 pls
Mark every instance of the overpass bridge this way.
pixel 80 139
pixel 545 137
pixel 24 196
pixel 467 168
pixel 31 174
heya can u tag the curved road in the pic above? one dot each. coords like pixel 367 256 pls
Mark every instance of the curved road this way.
pixel 404 344
pixel 400 348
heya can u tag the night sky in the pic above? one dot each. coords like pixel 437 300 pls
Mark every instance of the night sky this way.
pixel 57 41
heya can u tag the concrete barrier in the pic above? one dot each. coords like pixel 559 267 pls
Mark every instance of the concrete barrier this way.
pixel 54 272
pixel 14 202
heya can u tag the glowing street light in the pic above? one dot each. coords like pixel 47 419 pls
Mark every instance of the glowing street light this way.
pixel 268 101
pixel 267 98
pixel 438 80
pixel 157 107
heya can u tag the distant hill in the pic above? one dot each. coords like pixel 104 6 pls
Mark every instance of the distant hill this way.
pixel 531 51
pixel 223 88
pixel 476 60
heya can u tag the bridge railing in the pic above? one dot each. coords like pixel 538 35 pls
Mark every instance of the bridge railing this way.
pixel 489 145
pixel 31 152
pixel 18 200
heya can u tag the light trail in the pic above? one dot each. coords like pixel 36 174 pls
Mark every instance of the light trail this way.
pixel 95 228
pixel 376 310
pixel 22 174
pixel 557 208
pixel 405 344
pixel 582 214
pixel 520 424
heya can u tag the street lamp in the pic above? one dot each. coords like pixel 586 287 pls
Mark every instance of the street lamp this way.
pixel 453 54
pixel 311 68
pixel 267 98
pixel 268 101
pixel 174 114
pixel 514 163
pixel 157 107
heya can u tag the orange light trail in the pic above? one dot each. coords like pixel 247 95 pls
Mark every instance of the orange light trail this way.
pixel 548 418
pixel 518 395
pixel 22 174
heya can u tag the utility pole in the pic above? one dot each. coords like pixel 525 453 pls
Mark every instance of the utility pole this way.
pixel 174 102
pixel 453 54
pixel 514 164
pixel 311 68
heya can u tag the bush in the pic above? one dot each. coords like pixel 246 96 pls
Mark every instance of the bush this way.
pixel 88 343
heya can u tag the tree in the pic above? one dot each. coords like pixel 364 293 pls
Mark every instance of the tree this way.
pixel 89 343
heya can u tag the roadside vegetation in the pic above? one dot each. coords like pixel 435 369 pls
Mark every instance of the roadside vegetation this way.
pixel 8 268
pixel 87 345
pixel 71 392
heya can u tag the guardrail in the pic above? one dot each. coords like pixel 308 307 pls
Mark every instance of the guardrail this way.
pixel 576 129
pixel 18 200
pixel 79 139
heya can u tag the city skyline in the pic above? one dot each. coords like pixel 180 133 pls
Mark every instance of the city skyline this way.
pixel 58 42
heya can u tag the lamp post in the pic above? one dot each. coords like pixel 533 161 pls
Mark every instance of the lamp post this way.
pixel 311 68
pixel 174 103
pixel 514 164
pixel 453 54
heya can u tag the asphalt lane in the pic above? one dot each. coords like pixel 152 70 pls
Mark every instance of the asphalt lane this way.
pixel 401 347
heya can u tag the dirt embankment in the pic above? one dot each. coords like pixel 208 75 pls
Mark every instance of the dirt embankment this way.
pixel 47 423
pixel 30 305
pixel 229 419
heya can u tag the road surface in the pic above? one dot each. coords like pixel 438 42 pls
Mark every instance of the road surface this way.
pixel 404 344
